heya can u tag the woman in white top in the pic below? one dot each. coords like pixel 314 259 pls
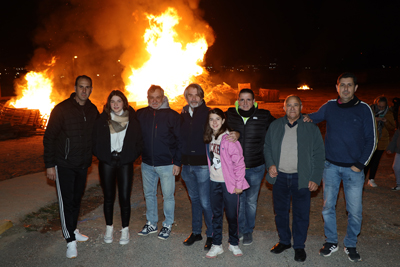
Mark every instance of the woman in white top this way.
pixel 117 144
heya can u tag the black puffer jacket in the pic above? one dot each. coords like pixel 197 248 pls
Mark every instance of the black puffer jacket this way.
pixel 132 146
pixel 68 137
pixel 252 134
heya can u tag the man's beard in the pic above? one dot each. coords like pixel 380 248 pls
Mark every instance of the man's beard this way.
pixel 196 105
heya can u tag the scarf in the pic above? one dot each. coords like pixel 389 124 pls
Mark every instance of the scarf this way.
pixel 379 113
pixel 119 122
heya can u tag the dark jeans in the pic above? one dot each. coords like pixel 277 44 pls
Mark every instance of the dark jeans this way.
pixel 109 176
pixel 286 186
pixel 220 199
pixel 372 167
pixel 70 187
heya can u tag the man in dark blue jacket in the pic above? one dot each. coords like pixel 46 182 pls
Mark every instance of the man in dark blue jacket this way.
pixel 195 170
pixel 350 142
pixel 161 158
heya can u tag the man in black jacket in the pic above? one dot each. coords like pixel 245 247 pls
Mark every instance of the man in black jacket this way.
pixel 161 159
pixel 252 123
pixel 195 170
pixel 68 154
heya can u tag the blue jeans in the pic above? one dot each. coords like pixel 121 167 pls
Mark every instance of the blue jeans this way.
pixel 150 175
pixel 197 180
pixel 286 186
pixel 248 199
pixel 353 183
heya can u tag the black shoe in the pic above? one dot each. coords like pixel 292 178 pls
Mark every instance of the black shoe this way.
pixel 279 248
pixel 191 239
pixel 353 255
pixel 300 254
pixel 328 249
pixel 208 244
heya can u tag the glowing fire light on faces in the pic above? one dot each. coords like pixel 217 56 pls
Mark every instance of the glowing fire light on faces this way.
pixel 304 87
pixel 171 64
pixel 36 93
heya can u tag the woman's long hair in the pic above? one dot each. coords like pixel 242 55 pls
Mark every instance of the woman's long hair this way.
pixel 107 106
pixel 208 132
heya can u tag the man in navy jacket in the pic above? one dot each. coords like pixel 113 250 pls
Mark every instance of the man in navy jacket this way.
pixel 195 170
pixel 350 142
pixel 161 158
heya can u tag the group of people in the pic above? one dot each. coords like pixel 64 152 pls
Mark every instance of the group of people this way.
pixel 223 156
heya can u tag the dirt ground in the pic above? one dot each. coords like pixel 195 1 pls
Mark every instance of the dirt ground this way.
pixel 380 205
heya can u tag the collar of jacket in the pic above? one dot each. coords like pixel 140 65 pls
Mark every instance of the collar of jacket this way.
pixel 299 120
pixel 185 109
pixel 237 108
pixel 354 102
pixel 72 98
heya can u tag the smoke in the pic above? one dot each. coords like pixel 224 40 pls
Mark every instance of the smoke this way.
pixel 104 39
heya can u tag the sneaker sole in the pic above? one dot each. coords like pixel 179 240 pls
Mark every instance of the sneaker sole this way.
pixel 237 255
pixel 142 234
pixel 123 242
pixel 350 258
pixel 327 255
pixel 163 238
pixel 213 257
pixel 108 241
pixel 247 244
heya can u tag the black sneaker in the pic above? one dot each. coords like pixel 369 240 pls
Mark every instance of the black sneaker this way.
pixel 327 249
pixel 396 188
pixel 353 254
pixel 247 239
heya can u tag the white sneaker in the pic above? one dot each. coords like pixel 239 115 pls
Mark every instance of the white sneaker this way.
pixel 124 236
pixel 108 236
pixel 236 250
pixel 72 252
pixel 372 183
pixel 79 237
pixel 214 251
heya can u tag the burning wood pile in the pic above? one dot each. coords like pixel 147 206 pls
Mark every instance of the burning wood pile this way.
pixel 15 122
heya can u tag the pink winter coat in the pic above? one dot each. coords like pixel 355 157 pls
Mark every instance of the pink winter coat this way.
pixel 232 164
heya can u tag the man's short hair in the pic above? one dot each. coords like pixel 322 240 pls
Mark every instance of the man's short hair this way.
pixel 295 96
pixel 84 77
pixel 153 88
pixel 247 90
pixel 347 75
pixel 200 91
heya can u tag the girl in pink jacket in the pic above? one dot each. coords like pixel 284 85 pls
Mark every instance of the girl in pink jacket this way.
pixel 227 171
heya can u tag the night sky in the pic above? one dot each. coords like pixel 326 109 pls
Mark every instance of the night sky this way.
pixel 362 34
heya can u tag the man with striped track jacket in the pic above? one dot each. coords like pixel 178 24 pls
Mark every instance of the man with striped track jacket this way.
pixel 350 142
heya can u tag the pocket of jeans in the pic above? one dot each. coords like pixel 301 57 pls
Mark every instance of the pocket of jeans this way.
pixel 327 164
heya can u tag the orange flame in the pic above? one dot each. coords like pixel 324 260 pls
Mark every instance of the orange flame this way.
pixel 304 87
pixel 172 65
pixel 35 94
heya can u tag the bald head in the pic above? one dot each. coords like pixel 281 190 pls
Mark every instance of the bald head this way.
pixel 292 108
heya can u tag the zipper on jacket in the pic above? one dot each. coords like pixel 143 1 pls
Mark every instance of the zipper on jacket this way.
pixel 152 138
pixel 66 150
pixel 84 115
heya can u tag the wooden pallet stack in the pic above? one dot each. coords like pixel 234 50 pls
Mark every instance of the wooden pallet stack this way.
pixel 15 122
